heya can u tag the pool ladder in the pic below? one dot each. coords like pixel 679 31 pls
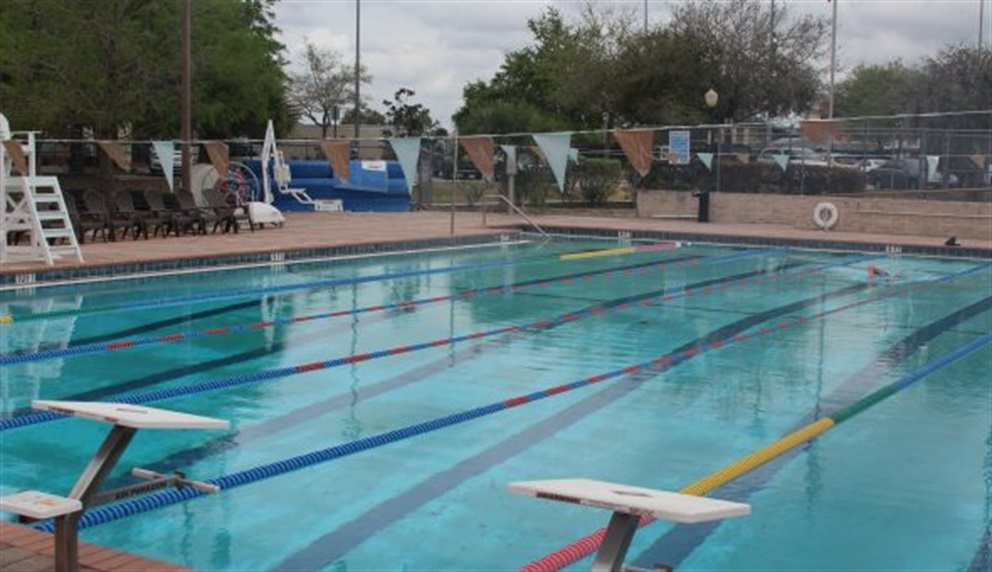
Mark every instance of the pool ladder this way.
pixel 485 208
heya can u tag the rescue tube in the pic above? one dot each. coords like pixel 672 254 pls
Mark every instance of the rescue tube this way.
pixel 825 215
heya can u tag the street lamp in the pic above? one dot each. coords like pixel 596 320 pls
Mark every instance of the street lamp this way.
pixel 712 98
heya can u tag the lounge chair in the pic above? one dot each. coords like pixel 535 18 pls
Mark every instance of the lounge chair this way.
pixel 230 215
pixel 133 204
pixel 84 221
pixel 96 204
pixel 179 219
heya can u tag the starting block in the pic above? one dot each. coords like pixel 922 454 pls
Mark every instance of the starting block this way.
pixel 628 505
pixel 126 420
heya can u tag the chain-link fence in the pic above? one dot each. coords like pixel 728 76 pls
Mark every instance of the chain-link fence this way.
pixel 934 155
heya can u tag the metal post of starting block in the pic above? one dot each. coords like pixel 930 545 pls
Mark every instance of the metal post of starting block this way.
pixel 628 504
pixel 126 420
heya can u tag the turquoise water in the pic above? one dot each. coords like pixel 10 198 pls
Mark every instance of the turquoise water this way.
pixel 904 485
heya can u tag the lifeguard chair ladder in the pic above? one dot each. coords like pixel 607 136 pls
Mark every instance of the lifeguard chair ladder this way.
pixel 33 205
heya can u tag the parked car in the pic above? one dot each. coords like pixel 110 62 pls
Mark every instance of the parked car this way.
pixel 155 165
pixel 908 173
pixel 798 155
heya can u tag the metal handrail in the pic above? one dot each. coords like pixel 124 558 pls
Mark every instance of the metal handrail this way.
pixel 516 210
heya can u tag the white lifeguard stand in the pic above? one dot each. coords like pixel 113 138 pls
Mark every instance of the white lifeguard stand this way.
pixel 31 204
pixel 628 504
pixel 126 420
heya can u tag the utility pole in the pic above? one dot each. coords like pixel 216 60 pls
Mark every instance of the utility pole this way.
pixel 186 129
pixel 358 67
pixel 833 57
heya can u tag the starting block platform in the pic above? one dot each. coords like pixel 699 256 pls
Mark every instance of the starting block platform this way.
pixel 628 505
pixel 126 419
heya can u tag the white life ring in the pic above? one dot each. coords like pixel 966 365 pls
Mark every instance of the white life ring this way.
pixel 825 215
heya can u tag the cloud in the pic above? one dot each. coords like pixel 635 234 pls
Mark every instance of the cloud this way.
pixel 436 47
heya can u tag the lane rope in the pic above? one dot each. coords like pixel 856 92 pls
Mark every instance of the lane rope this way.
pixel 253 292
pixel 589 544
pixel 622 304
pixel 24 357
pixel 660 364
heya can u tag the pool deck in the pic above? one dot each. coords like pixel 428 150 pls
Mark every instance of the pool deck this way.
pixel 334 229
pixel 24 549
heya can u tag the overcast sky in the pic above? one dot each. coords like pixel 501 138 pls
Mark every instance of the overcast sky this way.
pixel 436 47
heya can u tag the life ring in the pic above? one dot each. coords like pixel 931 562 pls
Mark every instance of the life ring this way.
pixel 825 215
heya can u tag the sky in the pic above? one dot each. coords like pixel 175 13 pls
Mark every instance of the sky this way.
pixel 436 47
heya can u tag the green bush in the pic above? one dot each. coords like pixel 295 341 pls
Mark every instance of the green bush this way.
pixel 594 179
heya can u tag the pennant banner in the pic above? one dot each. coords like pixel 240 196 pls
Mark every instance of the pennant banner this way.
pixel 220 156
pixel 555 147
pixel 782 160
pixel 637 147
pixel 820 131
pixel 166 154
pixel 338 154
pixel 481 151
pixel 707 159
pixel 407 151
pixel 573 155
pixel 116 154
pixel 16 154
pixel 511 158
pixel 979 160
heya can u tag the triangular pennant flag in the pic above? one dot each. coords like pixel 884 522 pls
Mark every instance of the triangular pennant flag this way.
pixel 219 156
pixel 979 160
pixel 480 150
pixel 16 154
pixel 166 153
pixel 407 151
pixel 706 158
pixel 338 154
pixel 511 158
pixel 555 147
pixel 782 160
pixel 573 155
pixel 819 131
pixel 116 154
pixel 636 145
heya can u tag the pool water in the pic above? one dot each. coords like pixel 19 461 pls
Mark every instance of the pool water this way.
pixel 379 406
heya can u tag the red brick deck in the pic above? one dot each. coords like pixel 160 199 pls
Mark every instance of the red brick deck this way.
pixel 24 549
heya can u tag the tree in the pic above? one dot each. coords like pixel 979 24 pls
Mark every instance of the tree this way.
pixel 64 65
pixel 875 90
pixel 326 85
pixel 525 81
pixel 758 59
pixel 408 119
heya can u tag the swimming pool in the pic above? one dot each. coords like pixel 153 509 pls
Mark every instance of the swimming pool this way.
pixel 380 405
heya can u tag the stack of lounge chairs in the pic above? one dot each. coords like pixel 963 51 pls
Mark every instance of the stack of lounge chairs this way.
pixel 134 214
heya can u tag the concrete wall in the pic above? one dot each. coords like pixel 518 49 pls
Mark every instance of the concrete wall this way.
pixel 857 214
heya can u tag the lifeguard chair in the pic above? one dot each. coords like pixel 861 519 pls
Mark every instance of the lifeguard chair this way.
pixel 33 206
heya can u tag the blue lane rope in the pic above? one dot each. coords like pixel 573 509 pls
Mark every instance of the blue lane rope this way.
pixel 131 507
pixel 253 292
pixel 621 304
pixel 24 357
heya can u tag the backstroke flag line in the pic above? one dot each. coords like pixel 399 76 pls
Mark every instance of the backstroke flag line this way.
pixel 407 151
pixel 338 154
pixel 555 147
pixel 706 158
pixel 165 151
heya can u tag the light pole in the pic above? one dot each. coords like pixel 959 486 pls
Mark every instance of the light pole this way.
pixel 358 67
pixel 712 98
